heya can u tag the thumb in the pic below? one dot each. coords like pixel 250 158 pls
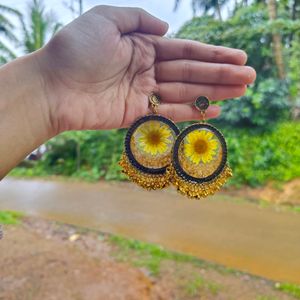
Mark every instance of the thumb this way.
pixel 129 19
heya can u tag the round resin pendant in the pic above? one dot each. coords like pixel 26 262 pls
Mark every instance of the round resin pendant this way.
pixel 148 147
pixel 199 161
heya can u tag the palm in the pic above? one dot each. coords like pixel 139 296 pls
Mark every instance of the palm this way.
pixel 136 78
pixel 118 79
pixel 102 71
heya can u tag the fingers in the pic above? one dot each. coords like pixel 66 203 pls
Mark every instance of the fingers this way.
pixel 203 72
pixel 178 92
pixel 185 112
pixel 170 49
pixel 129 19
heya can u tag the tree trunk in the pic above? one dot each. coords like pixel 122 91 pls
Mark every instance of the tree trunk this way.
pixel 295 5
pixel 218 9
pixel 78 156
pixel 80 7
pixel 277 46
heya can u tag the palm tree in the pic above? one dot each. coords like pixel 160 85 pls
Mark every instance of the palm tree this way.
pixel 80 7
pixel 277 45
pixel 7 32
pixel 41 27
pixel 76 10
pixel 205 6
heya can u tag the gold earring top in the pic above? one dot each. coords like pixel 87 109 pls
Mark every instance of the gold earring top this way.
pixel 154 101
pixel 202 104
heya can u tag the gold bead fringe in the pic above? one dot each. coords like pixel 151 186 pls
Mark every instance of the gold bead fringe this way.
pixel 199 190
pixel 146 181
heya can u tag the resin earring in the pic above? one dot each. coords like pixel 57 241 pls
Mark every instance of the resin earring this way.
pixel 147 149
pixel 199 161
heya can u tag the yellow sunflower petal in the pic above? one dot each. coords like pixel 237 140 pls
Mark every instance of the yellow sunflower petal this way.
pixel 154 137
pixel 191 148
pixel 209 134
pixel 213 144
pixel 196 158
pixel 188 150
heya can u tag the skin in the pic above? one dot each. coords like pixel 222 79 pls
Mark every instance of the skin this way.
pixel 97 73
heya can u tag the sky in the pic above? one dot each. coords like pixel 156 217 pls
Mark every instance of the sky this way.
pixel 160 8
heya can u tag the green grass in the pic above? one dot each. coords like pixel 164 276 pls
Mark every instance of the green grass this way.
pixel 295 209
pixel 151 256
pixel 198 284
pixel 263 297
pixel 10 217
pixel 289 288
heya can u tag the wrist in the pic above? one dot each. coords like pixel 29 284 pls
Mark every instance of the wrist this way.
pixel 25 121
pixel 40 82
pixel 31 96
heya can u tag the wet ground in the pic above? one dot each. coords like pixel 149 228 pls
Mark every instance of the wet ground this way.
pixel 243 236
pixel 44 260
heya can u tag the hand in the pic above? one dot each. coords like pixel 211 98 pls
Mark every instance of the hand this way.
pixel 99 70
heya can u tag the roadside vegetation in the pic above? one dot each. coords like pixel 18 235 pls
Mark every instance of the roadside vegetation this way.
pixel 10 217
pixel 174 275
pixel 262 128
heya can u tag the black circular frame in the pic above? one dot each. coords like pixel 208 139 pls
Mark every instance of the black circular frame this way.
pixel 175 156
pixel 129 134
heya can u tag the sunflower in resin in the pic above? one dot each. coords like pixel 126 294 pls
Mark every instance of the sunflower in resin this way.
pixel 200 146
pixel 155 138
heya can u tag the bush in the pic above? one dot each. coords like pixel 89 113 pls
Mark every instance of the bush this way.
pixel 255 157
pixel 88 155
pixel 260 109
pixel 267 101
pixel 258 158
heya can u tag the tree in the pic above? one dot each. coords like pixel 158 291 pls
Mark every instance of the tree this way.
pixel 277 46
pixel 41 26
pixel 76 10
pixel 205 6
pixel 7 31
pixel 269 100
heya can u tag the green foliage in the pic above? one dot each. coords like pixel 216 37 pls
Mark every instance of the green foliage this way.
pixel 267 101
pixel 151 255
pixel 245 30
pixel 205 6
pixel 36 32
pixel 42 26
pixel 7 29
pixel 263 297
pixel 257 158
pixel 35 170
pixel 88 155
pixel 259 109
pixel 10 217
pixel 289 288
pixel 262 145
pixel 294 67
pixel 198 284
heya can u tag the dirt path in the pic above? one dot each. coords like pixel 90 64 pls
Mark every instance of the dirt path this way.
pixel 37 267
pixel 44 260
pixel 260 241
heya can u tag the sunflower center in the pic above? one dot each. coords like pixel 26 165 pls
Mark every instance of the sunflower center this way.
pixel 200 146
pixel 154 138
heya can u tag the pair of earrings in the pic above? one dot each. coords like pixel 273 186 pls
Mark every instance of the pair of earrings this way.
pixel 157 154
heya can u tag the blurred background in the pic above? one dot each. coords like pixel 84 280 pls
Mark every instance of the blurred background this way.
pixel 261 127
pixel 251 228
